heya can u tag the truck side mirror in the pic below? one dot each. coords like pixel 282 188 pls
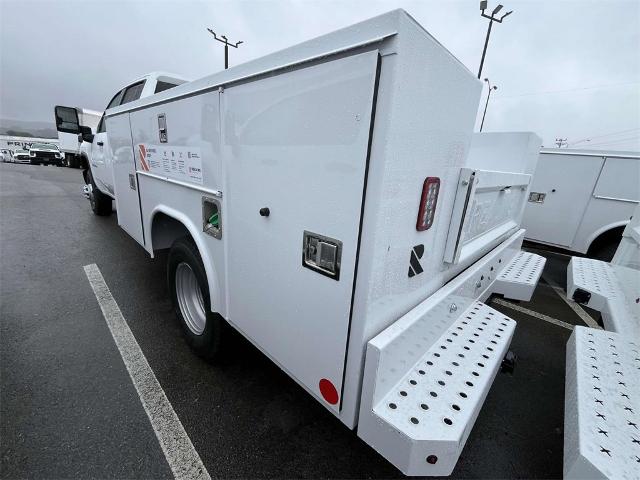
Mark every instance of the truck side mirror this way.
pixel 87 136
pixel 67 119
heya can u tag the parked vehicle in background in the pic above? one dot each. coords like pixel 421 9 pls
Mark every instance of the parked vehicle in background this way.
pixel 7 155
pixel 70 143
pixel 21 156
pixel 45 154
pixel 581 200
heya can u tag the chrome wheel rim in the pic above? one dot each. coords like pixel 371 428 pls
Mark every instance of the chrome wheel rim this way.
pixel 190 299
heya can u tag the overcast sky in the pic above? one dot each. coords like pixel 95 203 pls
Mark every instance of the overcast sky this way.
pixel 567 69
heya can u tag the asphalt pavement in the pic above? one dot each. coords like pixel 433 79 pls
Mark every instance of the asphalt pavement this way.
pixel 68 408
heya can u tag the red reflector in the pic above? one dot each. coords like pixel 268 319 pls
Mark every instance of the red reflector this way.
pixel 328 391
pixel 428 202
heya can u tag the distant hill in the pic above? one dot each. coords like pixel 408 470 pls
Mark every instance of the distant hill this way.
pixel 22 128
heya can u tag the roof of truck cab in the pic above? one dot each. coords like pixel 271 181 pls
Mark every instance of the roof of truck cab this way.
pixel 590 153
pixel 367 32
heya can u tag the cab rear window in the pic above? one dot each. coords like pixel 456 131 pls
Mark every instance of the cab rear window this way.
pixel 132 92
pixel 162 86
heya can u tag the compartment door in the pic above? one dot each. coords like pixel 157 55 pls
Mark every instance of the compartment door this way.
pixel 295 148
pixel 561 189
pixel 124 176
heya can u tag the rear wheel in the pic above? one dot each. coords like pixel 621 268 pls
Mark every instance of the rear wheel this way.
pixel 189 289
pixel 101 204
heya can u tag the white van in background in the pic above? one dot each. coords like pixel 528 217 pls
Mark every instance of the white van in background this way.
pixel 581 200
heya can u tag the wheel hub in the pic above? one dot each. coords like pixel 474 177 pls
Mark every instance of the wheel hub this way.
pixel 190 299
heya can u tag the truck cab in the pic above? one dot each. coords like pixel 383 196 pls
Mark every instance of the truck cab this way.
pixel 94 151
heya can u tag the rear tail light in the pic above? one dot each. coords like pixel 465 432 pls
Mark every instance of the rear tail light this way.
pixel 428 202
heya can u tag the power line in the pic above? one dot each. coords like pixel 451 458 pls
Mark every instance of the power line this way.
pixel 548 92
pixel 613 134
pixel 615 142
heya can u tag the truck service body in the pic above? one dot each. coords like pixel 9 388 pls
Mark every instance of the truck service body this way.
pixel 581 200
pixel 326 193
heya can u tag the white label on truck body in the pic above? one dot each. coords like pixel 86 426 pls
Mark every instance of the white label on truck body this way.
pixel 181 163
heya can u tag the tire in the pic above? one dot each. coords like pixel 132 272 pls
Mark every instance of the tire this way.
pixel 101 204
pixel 203 329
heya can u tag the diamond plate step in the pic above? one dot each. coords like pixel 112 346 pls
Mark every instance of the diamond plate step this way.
pixel 422 420
pixel 602 406
pixel 519 278
pixel 614 291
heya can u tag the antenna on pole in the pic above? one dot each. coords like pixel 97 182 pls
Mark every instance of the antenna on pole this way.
pixel 227 44
pixel 561 142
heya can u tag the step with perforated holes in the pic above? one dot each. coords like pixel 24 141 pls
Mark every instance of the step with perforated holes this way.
pixel 426 417
pixel 519 278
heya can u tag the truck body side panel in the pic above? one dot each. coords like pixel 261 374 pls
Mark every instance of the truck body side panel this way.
pixel 192 123
pixel 567 183
pixel 124 177
pixel 296 143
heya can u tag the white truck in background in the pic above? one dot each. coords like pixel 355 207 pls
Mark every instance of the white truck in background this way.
pixel 66 120
pixel 581 200
pixel 322 201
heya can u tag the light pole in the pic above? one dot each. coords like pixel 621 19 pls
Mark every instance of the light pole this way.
pixel 227 44
pixel 494 87
pixel 492 18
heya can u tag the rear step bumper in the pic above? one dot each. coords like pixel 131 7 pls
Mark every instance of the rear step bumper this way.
pixel 426 376
pixel 422 422
pixel 602 410
pixel 610 289
pixel 520 277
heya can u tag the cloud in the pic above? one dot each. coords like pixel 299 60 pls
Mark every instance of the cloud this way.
pixel 80 52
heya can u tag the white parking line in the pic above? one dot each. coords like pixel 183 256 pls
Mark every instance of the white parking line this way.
pixel 181 456
pixel 586 318
pixel 531 313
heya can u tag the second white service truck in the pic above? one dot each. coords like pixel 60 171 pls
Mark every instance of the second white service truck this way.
pixel 320 200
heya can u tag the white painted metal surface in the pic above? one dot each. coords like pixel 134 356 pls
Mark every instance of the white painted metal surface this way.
pixel 602 406
pixel 125 182
pixel 628 252
pixel 487 208
pixel 505 151
pixel 398 354
pixel 520 277
pixel 586 194
pixel 276 160
pixel 614 291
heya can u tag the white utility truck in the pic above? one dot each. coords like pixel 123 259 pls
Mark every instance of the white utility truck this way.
pixel 581 200
pixel 319 200
pixel 67 119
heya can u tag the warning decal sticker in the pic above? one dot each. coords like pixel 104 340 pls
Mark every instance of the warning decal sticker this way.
pixel 180 163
